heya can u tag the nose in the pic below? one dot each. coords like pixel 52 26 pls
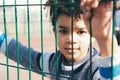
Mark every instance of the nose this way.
pixel 71 38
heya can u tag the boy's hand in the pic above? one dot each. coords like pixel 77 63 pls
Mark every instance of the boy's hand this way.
pixel 90 3
pixel 101 23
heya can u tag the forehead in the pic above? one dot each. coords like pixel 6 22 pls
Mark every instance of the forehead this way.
pixel 67 21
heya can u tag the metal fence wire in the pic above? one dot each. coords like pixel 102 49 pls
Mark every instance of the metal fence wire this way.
pixel 31 20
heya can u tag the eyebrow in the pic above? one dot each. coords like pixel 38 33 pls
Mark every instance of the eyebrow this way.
pixel 76 28
pixel 80 28
pixel 62 27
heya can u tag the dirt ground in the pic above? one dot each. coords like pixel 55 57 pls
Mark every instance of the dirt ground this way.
pixel 49 45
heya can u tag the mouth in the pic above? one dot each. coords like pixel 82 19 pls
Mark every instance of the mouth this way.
pixel 72 49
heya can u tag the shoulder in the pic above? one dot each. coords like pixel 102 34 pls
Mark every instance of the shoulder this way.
pixel 48 59
pixel 93 51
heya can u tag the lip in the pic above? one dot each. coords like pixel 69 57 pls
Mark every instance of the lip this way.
pixel 71 49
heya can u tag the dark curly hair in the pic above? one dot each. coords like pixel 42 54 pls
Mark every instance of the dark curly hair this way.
pixel 66 7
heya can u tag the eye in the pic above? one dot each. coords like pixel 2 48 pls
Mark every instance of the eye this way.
pixel 63 31
pixel 81 32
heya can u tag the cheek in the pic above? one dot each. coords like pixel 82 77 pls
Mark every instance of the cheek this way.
pixel 85 41
pixel 61 46
pixel 61 39
pixel 60 42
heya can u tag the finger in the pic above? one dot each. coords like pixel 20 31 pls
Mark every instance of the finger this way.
pixel 87 6
pixel 83 2
pixel 87 16
pixel 95 3
pixel 105 7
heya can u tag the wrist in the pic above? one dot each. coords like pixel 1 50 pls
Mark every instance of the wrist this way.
pixel 3 40
pixel 2 37
pixel 107 47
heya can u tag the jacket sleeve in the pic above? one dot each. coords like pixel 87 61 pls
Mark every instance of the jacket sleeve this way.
pixel 108 67
pixel 27 57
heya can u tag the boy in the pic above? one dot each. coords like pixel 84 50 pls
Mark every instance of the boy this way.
pixel 75 43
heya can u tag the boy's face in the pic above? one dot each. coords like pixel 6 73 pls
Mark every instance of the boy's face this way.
pixel 80 41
